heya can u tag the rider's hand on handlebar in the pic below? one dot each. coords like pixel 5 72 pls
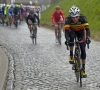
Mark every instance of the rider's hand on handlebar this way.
pixel 88 41
pixel 67 42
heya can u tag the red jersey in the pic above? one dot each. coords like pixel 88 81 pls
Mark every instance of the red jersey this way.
pixel 57 16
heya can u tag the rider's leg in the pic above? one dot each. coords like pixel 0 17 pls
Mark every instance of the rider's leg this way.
pixel 83 56
pixel 72 36
pixel 29 26
pixel 36 27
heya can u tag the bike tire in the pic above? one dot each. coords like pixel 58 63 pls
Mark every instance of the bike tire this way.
pixel 59 36
pixel 16 24
pixel 77 73
pixel 3 21
pixel 81 78
pixel 32 40
pixel 35 37
pixel 80 68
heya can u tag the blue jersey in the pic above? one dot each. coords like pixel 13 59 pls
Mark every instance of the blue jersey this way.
pixel 10 11
pixel 1 12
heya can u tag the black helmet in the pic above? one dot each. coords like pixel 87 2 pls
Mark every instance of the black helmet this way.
pixel 31 12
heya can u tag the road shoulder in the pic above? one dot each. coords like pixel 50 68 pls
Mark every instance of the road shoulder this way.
pixel 3 67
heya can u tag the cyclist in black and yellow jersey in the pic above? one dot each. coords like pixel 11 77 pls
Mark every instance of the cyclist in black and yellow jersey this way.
pixel 76 24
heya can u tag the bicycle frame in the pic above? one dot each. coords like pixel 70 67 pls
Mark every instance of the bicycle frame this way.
pixel 34 32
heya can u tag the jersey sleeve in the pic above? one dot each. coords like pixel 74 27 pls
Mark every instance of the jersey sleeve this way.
pixel 86 25
pixel 67 25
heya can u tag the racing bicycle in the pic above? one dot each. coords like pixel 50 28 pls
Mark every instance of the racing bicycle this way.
pixel 77 66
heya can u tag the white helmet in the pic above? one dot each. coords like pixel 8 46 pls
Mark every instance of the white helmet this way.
pixel 74 11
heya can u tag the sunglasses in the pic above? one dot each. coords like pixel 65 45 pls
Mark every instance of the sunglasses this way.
pixel 75 17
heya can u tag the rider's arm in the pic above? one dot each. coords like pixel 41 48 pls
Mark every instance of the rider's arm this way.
pixel 27 18
pixel 62 15
pixel 37 19
pixel 86 26
pixel 67 28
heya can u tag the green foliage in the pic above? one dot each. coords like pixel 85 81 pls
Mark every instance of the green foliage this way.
pixel 90 8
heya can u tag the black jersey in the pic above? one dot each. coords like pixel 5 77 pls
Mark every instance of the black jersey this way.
pixel 80 25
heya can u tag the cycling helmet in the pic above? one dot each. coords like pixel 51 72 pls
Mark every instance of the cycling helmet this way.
pixel 17 5
pixel 57 7
pixel 31 12
pixel 74 11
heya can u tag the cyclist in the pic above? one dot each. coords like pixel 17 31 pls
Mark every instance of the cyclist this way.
pixel 1 14
pixel 76 24
pixel 10 13
pixel 6 9
pixel 21 12
pixel 32 19
pixel 57 16
pixel 16 11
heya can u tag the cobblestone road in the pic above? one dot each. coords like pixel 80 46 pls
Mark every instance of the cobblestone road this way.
pixel 45 66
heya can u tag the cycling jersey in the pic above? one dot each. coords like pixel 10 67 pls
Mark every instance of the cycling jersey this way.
pixel 80 25
pixel 10 11
pixel 16 11
pixel 57 16
pixel 33 19
pixel 6 10
pixel 1 12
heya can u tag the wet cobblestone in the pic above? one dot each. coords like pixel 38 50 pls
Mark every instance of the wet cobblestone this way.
pixel 45 66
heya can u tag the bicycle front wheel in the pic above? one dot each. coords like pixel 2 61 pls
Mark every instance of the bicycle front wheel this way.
pixel 80 68
pixel 59 36
pixel 77 73
pixel 34 37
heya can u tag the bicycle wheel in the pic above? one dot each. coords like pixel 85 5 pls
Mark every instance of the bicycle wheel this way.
pixel 81 78
pixel 80 68
pixel 16 24
pixel 32 37
pixel 35 37
pixel 77 73
pixel 3 20
pixel 59 36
